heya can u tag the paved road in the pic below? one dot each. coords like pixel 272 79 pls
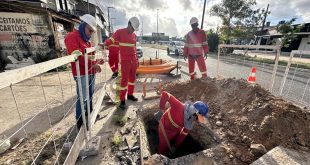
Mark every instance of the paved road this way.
pixel 297 86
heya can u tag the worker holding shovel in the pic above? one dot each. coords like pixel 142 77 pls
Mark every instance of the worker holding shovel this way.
pixel 177 121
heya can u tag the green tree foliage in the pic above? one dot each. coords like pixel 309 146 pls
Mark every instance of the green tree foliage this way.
pixel 230 11
pixel 288 31
pixel 247 28
pixel 213 41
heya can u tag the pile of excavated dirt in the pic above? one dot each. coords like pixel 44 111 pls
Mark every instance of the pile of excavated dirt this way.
pixel 248 120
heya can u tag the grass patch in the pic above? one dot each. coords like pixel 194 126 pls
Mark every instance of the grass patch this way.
pixel 117 140
pixel 120 120
pixel 269 61
pixel 281 62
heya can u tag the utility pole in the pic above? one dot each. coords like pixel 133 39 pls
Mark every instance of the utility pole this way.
pixel 157 27
pixel 109 7
pixel 157 36
pixel 87 6
pixel 141 33
pixel 112 30
pixel 265 16
pixel 203 13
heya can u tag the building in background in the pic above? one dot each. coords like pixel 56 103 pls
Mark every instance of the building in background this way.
pixel 33 31
pixel 271 36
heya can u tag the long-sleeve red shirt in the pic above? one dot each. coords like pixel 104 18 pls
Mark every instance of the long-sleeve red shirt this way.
pixel 74 41
pixel 196 43
pixel 127 44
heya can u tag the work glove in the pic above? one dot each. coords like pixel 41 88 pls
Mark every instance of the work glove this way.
pixel 206 55
pixel 97 67
pixel 100 61
pixel 185 57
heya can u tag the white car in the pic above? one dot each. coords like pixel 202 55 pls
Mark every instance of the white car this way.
pixel 139 50
pixel 175 47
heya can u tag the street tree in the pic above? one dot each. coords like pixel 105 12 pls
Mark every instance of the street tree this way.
pixel 246 29
pixel 288 31
pixel 230 11
pixel 213 40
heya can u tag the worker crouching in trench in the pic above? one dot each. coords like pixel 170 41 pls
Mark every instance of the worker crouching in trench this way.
pixel 176 121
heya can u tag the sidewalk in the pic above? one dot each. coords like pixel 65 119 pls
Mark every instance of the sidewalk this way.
pixel 271 55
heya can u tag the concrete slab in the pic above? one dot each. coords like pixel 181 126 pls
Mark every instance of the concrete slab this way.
pixel 283 156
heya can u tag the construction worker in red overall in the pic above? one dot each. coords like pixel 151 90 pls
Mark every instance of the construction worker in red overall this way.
pixel 114 58
pixel 76 42
pixel 128 58
pixel 177 121
pixel 196 47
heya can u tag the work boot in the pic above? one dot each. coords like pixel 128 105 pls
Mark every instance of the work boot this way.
pixel 122 105
pixel 132 98
pixel 114 75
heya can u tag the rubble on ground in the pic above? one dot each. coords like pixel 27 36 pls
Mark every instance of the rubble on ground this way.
pixel 247 119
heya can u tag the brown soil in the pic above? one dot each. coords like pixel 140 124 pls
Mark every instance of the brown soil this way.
pixel 249 115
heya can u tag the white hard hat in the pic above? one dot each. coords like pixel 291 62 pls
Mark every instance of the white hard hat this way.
pixel 193 20
pixel 90 20
pixel 134 21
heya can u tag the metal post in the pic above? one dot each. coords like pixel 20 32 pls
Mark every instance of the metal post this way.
pixel 303 95
pixel 87 92
pixel 157 36
pixel 286 72
pixel 275 68
pixel 109 20
pixel 218 61
pixel 87 6
pixel 81 97
pixel 265 16
pixel 203 13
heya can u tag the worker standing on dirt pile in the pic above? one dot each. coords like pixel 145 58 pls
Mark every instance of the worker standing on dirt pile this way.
pixel 177 121
pixel 76 42
pixel 196 45
pixel 128 58
pixel 114 57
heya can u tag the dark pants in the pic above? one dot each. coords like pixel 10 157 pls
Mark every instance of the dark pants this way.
pixel 78 108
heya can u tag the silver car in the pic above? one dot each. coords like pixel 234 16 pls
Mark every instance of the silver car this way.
pixel 175 47
pixel 139 50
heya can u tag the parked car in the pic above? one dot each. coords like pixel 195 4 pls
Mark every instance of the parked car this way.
pixel 176 47
pixel 139 50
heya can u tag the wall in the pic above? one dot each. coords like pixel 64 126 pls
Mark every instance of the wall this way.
pixel 24 36
pixel 305 43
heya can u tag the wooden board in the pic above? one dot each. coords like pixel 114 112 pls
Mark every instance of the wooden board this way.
pixel 18 75
pixel 249 46
pixel 98 105
pixel 76 147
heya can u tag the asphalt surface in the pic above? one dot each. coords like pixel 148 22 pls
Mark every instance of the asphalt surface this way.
pixel 296 88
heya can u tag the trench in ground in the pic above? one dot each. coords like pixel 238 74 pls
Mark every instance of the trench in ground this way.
pixel 189 146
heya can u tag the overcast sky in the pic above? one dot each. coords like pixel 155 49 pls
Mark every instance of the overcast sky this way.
pixel 174 15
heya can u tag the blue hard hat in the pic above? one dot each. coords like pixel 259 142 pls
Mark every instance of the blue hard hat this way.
pixel 202 108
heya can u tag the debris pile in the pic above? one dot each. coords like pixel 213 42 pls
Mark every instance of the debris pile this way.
pixel 126 140
pixel 247 119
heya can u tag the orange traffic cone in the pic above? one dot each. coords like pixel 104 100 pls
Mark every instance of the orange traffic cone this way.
pixel 252 77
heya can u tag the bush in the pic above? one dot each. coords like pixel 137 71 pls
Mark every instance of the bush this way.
pixel 213 41
pixel 116 140
pixel 4 60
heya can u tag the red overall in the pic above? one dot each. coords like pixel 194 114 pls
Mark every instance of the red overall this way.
pixel 128 58
pixel 196 45
pixel 114 56
pixel 74 42
pixel 173 123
